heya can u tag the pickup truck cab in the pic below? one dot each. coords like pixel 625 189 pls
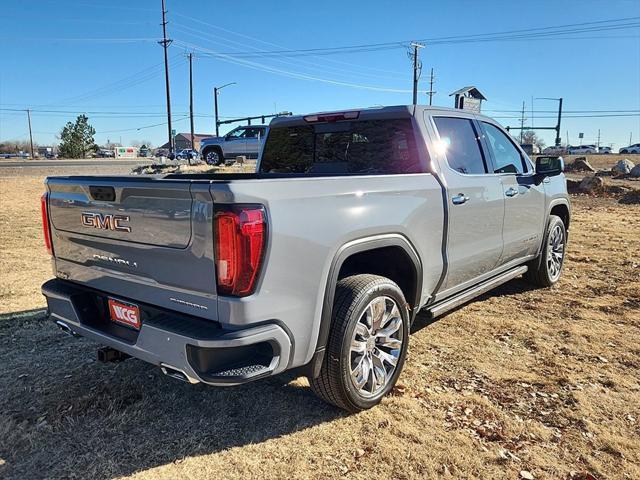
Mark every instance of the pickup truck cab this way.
pixel 241 141
pixel 319 261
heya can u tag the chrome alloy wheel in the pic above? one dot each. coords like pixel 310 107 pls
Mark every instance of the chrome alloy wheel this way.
pixel 555 252
pixel 376 346
pixel 212 157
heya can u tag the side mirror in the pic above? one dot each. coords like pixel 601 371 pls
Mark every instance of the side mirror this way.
pixel 549 166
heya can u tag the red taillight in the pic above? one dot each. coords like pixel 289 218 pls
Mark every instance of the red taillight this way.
pixel 332 117
pixel 240 234
pixel 45 223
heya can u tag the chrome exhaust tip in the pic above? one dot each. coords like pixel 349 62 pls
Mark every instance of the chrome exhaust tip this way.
pixel 66 328
pixel 176 373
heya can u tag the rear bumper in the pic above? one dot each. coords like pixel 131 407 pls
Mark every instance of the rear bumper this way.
pixel 193 349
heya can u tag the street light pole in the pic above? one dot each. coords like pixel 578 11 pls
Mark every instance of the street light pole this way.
pixel 215 105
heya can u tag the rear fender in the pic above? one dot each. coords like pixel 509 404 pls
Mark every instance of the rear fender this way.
pixel 346 251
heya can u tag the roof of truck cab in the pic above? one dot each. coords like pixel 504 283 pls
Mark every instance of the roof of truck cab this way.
pixel 382 112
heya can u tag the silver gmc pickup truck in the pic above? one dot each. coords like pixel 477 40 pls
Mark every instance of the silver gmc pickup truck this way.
pixel 319 261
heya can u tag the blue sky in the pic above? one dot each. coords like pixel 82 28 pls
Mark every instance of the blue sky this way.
pixel 64 57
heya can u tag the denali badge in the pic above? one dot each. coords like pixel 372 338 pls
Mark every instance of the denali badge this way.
pixel 189 304
pixel 105 221
pixel 119 261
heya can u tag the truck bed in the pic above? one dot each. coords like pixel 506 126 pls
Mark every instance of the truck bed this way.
pixel 167 259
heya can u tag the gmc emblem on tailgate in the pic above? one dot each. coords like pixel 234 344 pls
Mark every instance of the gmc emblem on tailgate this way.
pixel 105 221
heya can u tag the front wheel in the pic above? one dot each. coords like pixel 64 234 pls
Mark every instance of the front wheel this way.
pixel 546 270
pixel 367 343
pixel 213 156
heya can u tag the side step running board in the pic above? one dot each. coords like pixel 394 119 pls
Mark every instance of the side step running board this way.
pixel 463 297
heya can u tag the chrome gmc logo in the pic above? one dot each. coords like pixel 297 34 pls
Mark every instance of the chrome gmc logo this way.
pixel 105 221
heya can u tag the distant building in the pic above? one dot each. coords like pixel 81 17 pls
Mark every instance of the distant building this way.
pixel 183 141
pixel 468 98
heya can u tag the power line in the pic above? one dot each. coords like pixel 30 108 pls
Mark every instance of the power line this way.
pixel 141 128
pixel 286 73
pixel 312 65
pixel 124 114
pixel 530 33
pixel 78 39
pixel 124 83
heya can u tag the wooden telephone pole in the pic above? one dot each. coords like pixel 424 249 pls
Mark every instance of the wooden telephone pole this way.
pixel 417 67
pixel 30 134
pixel 431 92
pixel 165 42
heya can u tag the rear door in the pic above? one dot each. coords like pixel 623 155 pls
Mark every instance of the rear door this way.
pixel 235 143
pixel 476 203
pixel 524 207
pixel 253 137
pixel 144 239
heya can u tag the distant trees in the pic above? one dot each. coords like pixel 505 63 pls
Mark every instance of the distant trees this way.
pixel 530 137
pixel 76 139
pixel 141 143
pixel 16 146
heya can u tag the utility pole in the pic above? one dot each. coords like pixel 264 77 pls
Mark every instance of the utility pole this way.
pixel 417 67
pixel 30 134
pixel 630 137
pixel 598 139
pixel 558 140
pixel 522 123
pixel 431 92
pixel 215 110
pixel 191 100
pixel 165 42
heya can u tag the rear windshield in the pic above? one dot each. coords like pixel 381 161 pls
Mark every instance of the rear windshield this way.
pixel 364 147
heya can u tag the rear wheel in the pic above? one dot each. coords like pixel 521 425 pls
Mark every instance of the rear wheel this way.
pixel 546 270
pixel 624 151
pixel 367 343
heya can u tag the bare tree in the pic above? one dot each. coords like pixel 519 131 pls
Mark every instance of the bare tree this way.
pixel 530 137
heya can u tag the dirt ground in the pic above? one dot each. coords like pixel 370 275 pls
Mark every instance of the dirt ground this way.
pixel 521 381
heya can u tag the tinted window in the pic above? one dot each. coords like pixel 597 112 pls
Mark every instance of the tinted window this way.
pixel 253 132
pixel 506 156
pixel 460 143
pixel 236 133
pixel 364 147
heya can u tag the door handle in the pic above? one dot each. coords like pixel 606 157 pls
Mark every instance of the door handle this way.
pixel 460 199
pixel 511 192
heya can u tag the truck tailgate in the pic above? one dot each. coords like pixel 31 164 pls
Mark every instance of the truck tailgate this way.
pixel 145 239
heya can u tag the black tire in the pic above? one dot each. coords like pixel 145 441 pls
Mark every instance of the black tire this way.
pixel 217 151
pixel 353 296
pixel 624 151
pixel 544 271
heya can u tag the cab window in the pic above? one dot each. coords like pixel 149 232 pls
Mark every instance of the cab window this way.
pixel 506 156
pixel 234 134
pixel 459 142
pixel 253 133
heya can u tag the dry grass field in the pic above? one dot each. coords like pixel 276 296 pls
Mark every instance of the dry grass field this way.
pixel 521 381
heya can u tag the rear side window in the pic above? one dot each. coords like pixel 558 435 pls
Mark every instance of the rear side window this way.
pixel 367 147
pixel 506 156
pixel 461 146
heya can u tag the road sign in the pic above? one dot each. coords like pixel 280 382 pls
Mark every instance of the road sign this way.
pixel 173 133
pixel 581 135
